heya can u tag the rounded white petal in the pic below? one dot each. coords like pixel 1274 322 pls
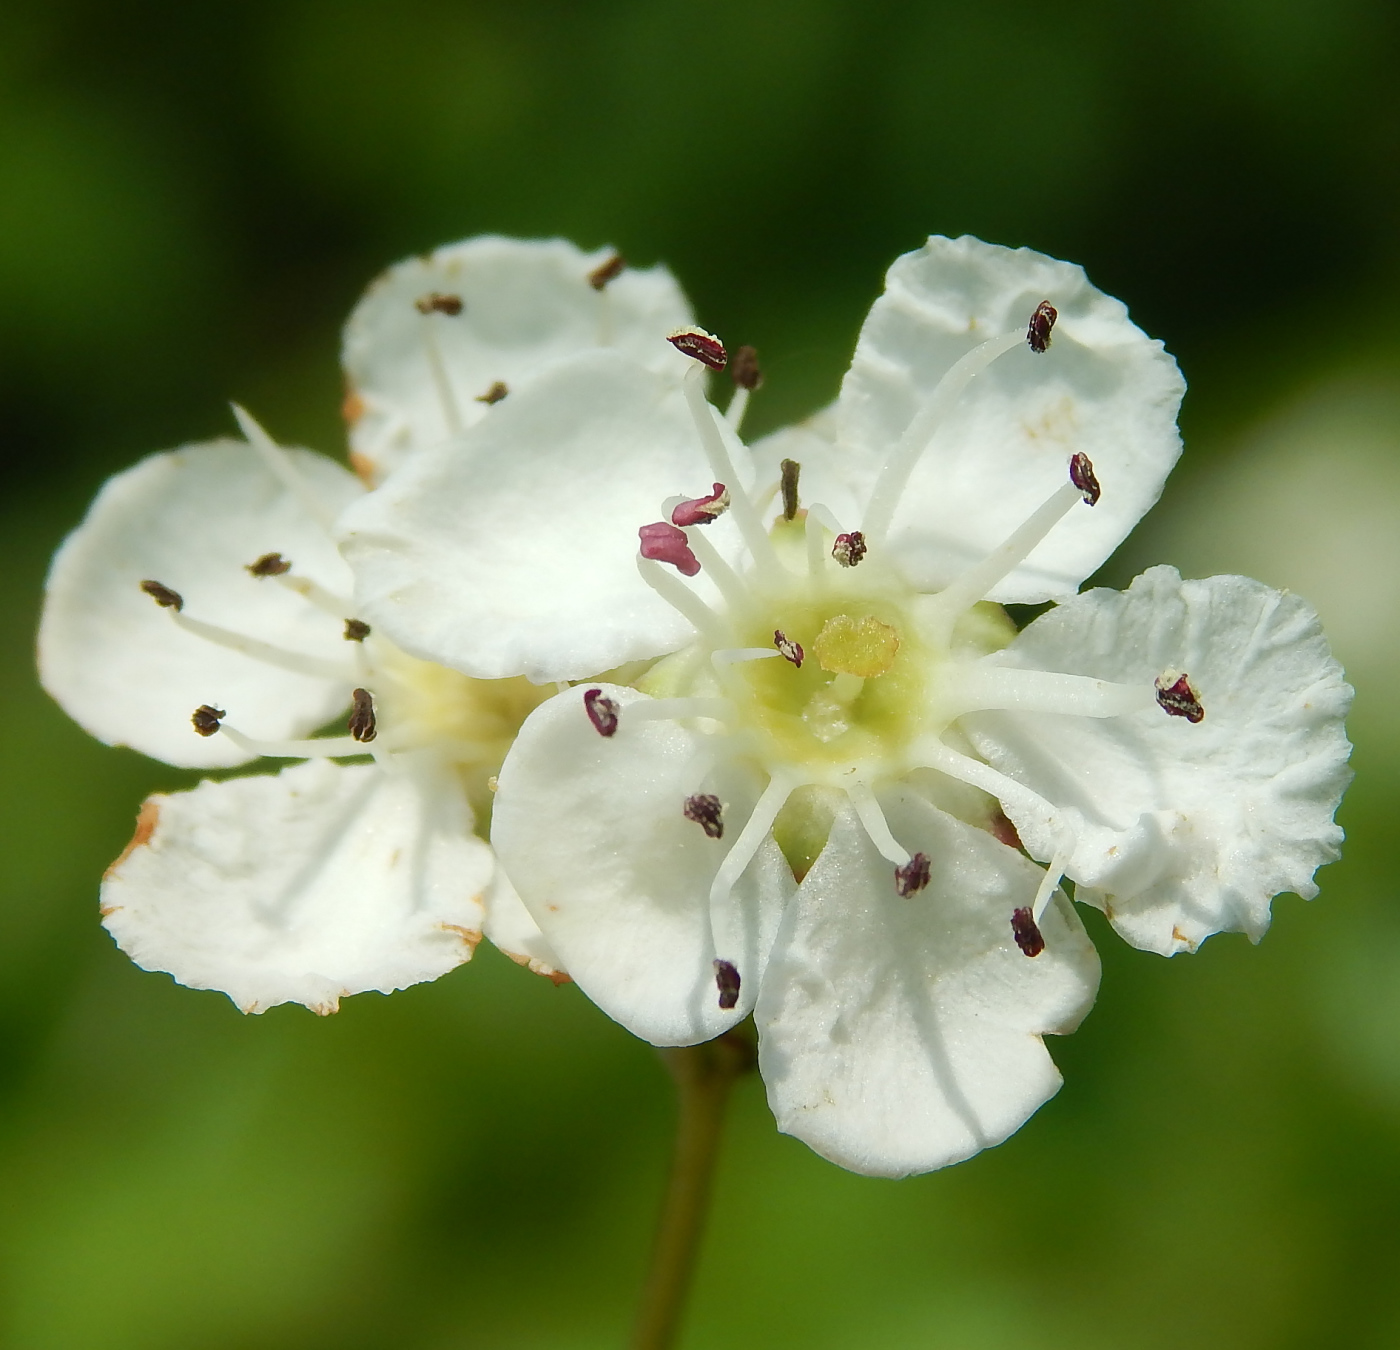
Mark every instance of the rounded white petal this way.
pixel 900 1034
pixel 416 379
pixel 323 881
pixel 591 830
pixel 511 929
pixel 193 519
pixel 1103 389
pixel 513 551
pixel 1185 830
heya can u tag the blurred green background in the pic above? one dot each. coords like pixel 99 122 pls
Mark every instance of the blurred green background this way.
pixel 191 198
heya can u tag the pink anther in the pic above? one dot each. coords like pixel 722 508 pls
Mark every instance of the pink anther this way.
pixel 702 510
pixel 665 543
pixel 700 346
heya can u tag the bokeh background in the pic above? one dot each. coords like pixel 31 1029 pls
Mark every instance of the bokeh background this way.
pixel 192 197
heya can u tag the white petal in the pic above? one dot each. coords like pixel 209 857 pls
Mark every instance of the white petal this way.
pixel 1103 389
pixel 526 304
pixel 323 881
pixel 512 930
pixel 898 1035
pixel 1186 830
pixel 513 551
pixel 192 519
pixel 591 831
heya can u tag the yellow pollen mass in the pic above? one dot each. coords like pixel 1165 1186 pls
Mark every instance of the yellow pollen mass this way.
pixel 864 647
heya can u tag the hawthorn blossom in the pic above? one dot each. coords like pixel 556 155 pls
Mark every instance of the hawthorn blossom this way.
pixel 439 340
pixel 201 614
pixel 822 806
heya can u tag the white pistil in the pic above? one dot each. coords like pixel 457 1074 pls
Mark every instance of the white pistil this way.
pixel 279 462
pixel 329 747
pixel 451 414
pixel 717 453
pixel 682 599
pixel 317 594
pixel 873 819
pixel 972 586
pixel 1048 883
pixel 297 662
pixel 982 686
pixel 920 432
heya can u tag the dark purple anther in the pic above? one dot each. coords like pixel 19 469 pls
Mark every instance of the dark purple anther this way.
pixel 1027 932
pixel 1081 474
pixel 702 510
pixel 164 596
pixel 788 649
pixel 700 346
pixel 705 810
pixel 727 982
pixel 356 630
pixel 602 712
pixel 665 543
pixel 270 565
pixel 791 471
pixel 744 371
pixel 1042 322
pixel 435 303
pixel 911 876
pixel 608 271
pixel 206 719
pixel 1176 697
pixel 849 549
pixel 362 725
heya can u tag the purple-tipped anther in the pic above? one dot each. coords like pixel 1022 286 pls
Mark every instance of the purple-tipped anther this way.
pixel 911 876
pixel 1081 474
pixel 206 719
pixel 727 982
pixel 707 812
pixel 1177 698
pixel 702 510
pixel 665 543
pixel 602 712
pixel 849 549
pixel 1027 932
pixel 1041 324
pixel 700 346
pixel 788 649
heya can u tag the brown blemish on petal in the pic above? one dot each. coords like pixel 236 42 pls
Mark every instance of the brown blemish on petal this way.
pixel 352 407
pixel 146 821
pixel 470 936
pixel 537 967
pixel 1179 936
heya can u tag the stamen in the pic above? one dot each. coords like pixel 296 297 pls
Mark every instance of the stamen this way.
pixel 602 712
pixel 1177 698
pixel 164 596
pixel 682 599
pixel 280 465
pixel 729 656
pixel 494 394
pixel 792 470
pixel 705 810
pixel 1041 324
pixel 269 565
pixel 356 630
pixel 261 651
pixel 437 303
pixel 328 747
pixel 849 549
pixel 702 510
pixel 700 346
pixel 787 648
pixel 1081 474
pixel 662 542
pixel 889 487
pixel 743 369
pixel 931 753
pixel 1027 932
pixel 984 686
pixel 875 825
pixel 1054 874
pixel 727 982
pixel 362 725
pixel 313 591
pixel 206 719
pixel 755 831
pixel 912 876
pixel 672 709
pixel 607 271
pixel 730 583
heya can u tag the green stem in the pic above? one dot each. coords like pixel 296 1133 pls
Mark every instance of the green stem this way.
pixel 704 1075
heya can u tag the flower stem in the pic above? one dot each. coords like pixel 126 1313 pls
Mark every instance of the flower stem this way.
pixel 704 1075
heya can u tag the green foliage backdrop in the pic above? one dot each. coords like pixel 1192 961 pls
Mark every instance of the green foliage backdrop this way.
pixel 191 198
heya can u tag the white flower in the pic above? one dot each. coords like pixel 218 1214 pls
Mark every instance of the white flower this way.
pixel 204 582
pixel 799 812
pixel 438 340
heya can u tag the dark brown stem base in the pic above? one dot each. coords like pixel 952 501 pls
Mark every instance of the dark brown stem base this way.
pixel 704 1075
